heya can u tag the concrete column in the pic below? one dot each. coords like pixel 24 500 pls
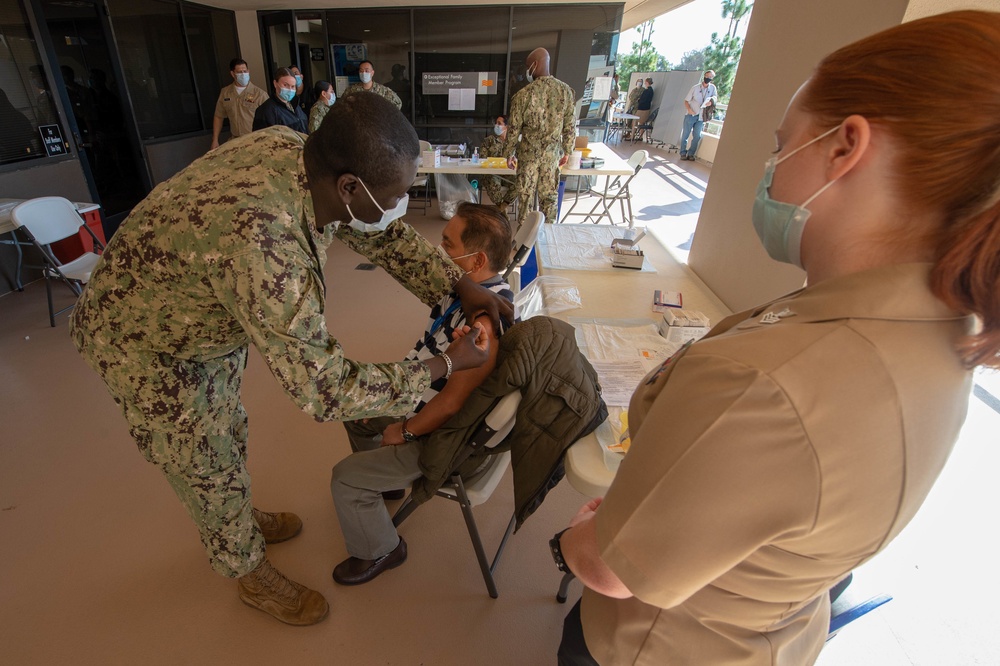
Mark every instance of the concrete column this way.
pixel 785 39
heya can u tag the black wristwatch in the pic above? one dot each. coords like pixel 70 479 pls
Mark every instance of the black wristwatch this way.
pixel 557 555
pixel 407 435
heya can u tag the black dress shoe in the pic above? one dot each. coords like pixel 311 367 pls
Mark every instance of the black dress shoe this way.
pixel 355 571
pixel 394 494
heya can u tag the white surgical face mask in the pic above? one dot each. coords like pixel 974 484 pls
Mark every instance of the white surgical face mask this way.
pixel 498 129
pixel 444 253
pixel 387 215
pixel 528 75
pixel 331 99
pixel 242 79
pixel 780 225
pixel 366 77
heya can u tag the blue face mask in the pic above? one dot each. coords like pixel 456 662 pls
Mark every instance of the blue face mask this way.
pixel 331 99
pixel 242 79
pixel 298 80
pixel 366 77
pixel 780 225
pixel 286 95
pixel 498 129
pixel 387 215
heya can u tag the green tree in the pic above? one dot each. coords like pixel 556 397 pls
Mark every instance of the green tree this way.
pixel 692 60
pixel 643 57
pixel 723 54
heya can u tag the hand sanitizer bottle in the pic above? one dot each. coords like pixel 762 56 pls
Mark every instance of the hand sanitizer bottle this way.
pixel 475 156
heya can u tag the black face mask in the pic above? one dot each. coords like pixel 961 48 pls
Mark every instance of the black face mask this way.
pixel 707 80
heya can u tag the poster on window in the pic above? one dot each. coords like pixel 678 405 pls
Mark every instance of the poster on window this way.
pixel 52 139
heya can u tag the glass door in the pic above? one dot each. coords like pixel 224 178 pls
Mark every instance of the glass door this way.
pixel 100 106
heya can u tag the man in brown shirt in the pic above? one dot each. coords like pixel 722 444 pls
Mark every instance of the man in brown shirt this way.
pixel 238 101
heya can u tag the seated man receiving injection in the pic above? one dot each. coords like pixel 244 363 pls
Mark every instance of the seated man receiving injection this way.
pixel 387 449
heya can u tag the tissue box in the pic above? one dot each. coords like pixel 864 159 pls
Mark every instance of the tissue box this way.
pixel 430 159
pixel 626 258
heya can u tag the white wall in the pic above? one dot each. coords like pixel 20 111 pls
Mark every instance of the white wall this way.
pixel 248 33
pixel 785 40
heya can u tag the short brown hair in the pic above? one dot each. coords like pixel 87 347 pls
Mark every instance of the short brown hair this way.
pixel 486 230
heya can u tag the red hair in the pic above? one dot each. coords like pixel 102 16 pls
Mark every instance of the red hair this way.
pixel 932 84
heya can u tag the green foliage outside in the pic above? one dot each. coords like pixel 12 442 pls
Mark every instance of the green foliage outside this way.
pixel 722 54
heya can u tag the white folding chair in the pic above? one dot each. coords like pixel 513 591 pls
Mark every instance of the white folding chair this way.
pixel 46 220
pixel 479 488
pixel 524 240
pixel 618 191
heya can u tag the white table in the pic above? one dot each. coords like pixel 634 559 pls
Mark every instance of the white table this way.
pixel 7 227
pixel 623 294
pixel 615 130
pixel 614 166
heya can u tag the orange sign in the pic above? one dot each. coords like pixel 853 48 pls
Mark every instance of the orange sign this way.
pixel 487 83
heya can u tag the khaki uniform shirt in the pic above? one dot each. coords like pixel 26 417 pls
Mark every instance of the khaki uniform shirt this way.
pixel 378 89
pixel 239 107
pixel 769 460
pixel 224 254
pixel 633 97
pixel 541 114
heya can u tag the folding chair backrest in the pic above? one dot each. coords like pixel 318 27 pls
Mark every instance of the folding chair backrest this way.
pixel 424 145
pixel 652 116
pixel 499 422
pixel 47 219
pixel 524 240
pixel 638 160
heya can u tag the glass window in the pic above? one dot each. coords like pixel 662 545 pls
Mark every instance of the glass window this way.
pixel 211 36
pixel 25 92
pixel 460 71
pixel 154 57
pixel 383 37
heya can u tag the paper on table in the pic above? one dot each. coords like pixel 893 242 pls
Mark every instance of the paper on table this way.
pixel 619 377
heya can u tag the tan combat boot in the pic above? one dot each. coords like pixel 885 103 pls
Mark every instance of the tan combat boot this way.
pixel 277 527
pixel 269 590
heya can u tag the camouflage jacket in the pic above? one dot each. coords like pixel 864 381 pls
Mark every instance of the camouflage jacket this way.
pixel 542 115
pixel 378 89
pixel 227 253
pixel 492 146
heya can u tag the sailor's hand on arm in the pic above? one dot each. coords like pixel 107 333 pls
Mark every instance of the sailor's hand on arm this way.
pixel 467 351
pixel 477 299
pixel 563 160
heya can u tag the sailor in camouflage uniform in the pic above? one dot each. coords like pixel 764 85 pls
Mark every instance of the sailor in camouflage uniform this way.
pixel 367 72
pixel 541 113
pixel 229 252
pixel 501 191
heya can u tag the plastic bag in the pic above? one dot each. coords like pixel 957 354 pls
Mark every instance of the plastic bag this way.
pixel 547 295
pixel 452 189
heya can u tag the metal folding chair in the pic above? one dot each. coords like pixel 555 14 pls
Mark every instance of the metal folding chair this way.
pixel 476 490
pixel 617 191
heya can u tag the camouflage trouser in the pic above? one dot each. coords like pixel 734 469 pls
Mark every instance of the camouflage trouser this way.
pixel 537 174
pixel 501 192
pixel 187 419
pixel 209 475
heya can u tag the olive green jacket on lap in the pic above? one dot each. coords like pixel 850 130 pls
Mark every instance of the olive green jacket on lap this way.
pixel 561 402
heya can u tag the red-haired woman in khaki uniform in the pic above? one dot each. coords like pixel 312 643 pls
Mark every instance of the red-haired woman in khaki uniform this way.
pixel 798 439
